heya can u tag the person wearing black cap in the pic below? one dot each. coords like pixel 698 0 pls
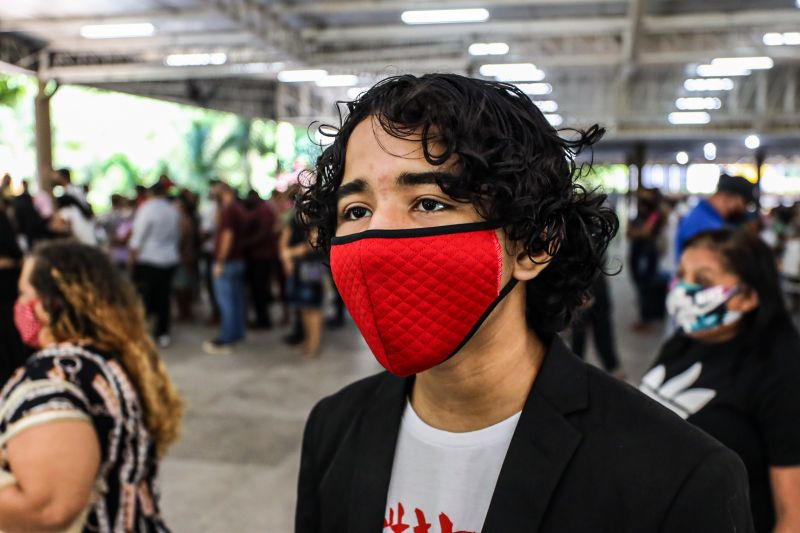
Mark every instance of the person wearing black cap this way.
pixel 730 203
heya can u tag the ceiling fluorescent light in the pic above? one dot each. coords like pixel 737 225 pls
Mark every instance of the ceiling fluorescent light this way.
pixel 791 38
pixel 716 71
pixel 710 151
pixel 338 80
pixel 689 117
pixel 195 60
pixel 536 89
pixel 513 72
pixel 698 103
pixel 752 142
pixel 295 76
pixel 488 49
pixel 547 106
pixel 708 84
pixel 744 63
pixel 773 39
pixel 445 16
pixel 555 120
pixel 111 31
pixel 355 92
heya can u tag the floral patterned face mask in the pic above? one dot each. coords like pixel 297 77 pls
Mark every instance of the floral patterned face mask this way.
pixel 696 308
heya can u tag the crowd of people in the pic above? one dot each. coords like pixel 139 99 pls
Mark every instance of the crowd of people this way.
pixel 240 256
pixel 461 258
pixel 88 300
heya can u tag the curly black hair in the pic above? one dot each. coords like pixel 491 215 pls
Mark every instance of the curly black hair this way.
pixel 511 164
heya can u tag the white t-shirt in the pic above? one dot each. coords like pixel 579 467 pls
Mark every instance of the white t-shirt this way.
pixel 156 233
pixel 445 479
pixel 208 224
pixel 791 258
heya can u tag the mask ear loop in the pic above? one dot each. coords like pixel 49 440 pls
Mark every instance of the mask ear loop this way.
pixel 503 293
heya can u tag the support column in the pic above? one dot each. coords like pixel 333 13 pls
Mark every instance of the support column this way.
pixel 761 157
pixel 44 137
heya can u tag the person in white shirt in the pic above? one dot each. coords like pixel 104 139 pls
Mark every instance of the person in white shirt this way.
pixel 154 255
pixel 72 219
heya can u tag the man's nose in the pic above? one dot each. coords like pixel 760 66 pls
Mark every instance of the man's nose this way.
pixel 390 217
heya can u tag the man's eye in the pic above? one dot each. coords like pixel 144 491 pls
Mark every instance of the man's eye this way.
pixel 430 205
pixel 356 212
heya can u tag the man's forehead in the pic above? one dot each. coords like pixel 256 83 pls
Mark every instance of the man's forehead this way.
pixel 373 154
pixel 370 135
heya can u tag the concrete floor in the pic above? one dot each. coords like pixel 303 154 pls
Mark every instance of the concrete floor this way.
pixel 235 467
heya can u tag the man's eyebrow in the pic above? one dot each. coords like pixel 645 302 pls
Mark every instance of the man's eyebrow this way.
pixel 410 179
pixel 354 187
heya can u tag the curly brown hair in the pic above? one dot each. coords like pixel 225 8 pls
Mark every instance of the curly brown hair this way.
pixel 86 297
pixel 513 166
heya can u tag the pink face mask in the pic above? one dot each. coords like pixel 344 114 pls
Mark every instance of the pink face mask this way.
pixel 28 324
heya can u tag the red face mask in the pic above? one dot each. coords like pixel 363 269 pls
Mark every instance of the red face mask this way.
pixel 419 295
pixel 27 323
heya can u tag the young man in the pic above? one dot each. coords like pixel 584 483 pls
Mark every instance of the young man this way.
pixel 461 244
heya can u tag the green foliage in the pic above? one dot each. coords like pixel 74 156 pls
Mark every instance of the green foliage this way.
pixel 128 172
pixel 12 89
pixel 231 157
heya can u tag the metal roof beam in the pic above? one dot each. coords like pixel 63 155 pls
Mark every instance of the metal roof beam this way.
pixel 402 33
pixel 204 40
pixel 363 6
pixel 262 22
pixel 61 24
pixel 770 18
pixel 572 26
pixel 131 72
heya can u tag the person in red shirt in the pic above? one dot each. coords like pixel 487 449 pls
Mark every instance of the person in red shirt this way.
pixel 228 271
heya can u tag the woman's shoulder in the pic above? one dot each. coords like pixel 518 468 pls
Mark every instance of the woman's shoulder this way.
pixel 64 362
pixel 779 352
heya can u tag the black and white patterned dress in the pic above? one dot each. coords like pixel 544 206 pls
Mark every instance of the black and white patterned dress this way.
pixel 69 382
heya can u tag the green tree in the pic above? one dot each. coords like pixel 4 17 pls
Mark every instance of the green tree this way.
pixel 11 90
pixel 232 155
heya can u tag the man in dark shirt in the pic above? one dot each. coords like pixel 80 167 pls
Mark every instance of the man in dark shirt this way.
pixel 261 250
pixel 228 271
pixel 461 245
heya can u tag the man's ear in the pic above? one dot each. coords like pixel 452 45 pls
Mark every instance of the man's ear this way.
pixel 526 268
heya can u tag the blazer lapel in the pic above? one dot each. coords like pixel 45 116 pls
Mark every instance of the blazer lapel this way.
pixel 376 441
pixel 543 444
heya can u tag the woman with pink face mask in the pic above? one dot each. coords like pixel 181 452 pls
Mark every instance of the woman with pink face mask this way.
pixel 733 367
pixel 85 421
pixel 13 351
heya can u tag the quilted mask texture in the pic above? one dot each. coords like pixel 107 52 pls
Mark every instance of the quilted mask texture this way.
pixel 418 295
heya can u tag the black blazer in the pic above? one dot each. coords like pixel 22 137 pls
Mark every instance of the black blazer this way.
pixel 589 454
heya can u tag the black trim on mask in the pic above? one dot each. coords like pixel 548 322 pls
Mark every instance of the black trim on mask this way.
pixel 415 232
pixel 503 293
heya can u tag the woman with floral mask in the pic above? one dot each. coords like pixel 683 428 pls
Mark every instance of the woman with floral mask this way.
pixel 85 420
pixel 733 367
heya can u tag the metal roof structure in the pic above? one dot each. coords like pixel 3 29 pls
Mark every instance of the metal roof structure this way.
pixel 622 63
